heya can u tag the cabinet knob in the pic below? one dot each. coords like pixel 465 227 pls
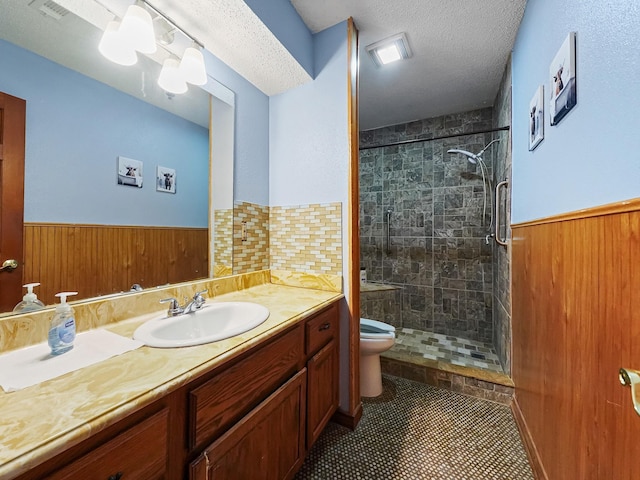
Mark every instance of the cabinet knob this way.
pixel 324 326
pixel 116 476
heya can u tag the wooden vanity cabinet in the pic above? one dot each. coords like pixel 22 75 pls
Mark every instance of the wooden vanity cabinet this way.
pixel 267 444
pixel 139 452
pixel 323 357
pixel 271 441
pixel 253 417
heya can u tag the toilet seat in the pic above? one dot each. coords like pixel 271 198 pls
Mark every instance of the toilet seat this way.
pixel 373 329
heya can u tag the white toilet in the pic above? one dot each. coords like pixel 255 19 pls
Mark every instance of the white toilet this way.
pixel 375 338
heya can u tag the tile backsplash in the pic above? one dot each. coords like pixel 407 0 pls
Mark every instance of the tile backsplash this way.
pixel 306 238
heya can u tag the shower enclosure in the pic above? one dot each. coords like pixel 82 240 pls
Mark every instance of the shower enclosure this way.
pixel 425 243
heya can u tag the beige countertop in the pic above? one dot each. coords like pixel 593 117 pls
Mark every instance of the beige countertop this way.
pixel 39 422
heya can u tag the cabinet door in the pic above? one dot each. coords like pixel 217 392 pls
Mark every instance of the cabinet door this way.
pixel 139 452
pixel 322 392
pixel 267 444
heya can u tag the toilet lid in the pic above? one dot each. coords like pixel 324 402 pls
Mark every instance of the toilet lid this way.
pixel 374 329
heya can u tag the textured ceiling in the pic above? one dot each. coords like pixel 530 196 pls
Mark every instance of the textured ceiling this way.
pixel 228 28
pixel 460 49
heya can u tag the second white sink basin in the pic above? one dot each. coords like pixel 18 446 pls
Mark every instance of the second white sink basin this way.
pixel 214 321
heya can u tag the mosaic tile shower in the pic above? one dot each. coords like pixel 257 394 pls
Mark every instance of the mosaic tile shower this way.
pixel 446 348
pixel 437 251
pixel 415 431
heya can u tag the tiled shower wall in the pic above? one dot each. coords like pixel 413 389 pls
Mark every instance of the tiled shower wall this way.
pixel 437 251
pixel 502 255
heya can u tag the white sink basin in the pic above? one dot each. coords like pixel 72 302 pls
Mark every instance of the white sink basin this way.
pixel 214 321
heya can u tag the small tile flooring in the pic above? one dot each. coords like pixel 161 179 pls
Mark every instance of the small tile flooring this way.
pixel 416 431
pixel 448 362
pixel 446 348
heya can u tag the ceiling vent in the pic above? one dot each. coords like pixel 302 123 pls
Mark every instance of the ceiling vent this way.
pixel 49 8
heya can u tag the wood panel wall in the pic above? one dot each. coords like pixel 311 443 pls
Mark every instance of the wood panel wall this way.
pixel 101 259
pixel 576 321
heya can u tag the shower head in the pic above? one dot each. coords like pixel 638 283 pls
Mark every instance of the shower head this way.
pixel 472 157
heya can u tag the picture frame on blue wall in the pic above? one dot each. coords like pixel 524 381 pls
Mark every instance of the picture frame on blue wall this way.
pixel 536 118
pixel 562 80
pixel 130 172
pixel 166 180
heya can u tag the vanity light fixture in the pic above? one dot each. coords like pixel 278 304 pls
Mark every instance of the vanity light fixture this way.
pixel 113 46
pixel 389 50
pixel 135 32
pixel 171 79
pixel 137 29
pixel 192 66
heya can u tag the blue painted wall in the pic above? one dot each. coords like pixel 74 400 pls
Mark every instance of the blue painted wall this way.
pixel 283 20
pixel 592 157
pixel 309 150
pixel 76 129
pixel 308 147
pixel 251 166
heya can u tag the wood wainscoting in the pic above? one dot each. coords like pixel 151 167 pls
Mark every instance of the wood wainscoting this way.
pixel 102 259
pixel 576 321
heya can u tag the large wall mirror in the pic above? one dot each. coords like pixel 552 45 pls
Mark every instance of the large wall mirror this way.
pixel 122 180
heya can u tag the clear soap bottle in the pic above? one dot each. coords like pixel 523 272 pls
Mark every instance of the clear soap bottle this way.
pixel 30 302
pixel 62 332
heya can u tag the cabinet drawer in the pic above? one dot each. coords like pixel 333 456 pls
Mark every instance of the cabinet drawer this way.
pixel 224 399
pixel 139 452
pixel 320 329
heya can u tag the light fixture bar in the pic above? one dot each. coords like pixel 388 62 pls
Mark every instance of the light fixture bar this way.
pixel 174 24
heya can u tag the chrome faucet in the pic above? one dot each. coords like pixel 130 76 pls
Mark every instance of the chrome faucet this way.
pixel 194 304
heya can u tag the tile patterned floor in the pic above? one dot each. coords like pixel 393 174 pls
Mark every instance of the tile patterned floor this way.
pixel 455 350
pixel 418 432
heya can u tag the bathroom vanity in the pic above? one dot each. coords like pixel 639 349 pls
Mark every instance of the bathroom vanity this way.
pixel 246 407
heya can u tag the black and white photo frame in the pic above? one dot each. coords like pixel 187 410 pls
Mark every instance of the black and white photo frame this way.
pixel 563 81
pixel 536 118
pixel 166 180
pixel 130 172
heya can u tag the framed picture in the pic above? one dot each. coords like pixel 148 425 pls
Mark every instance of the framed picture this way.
pixel 562 80
pixel 129 172
pixel 166 180
pixel 536 118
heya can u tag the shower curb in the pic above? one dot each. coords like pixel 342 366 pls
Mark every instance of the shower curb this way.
pixel 474 382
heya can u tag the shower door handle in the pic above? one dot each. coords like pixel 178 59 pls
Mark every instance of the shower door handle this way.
pixel 499 241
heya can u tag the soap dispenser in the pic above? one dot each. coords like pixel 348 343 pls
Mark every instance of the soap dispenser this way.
pixel 30 302
pixel 62 332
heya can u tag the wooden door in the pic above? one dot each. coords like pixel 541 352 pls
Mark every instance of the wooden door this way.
pixel 267 444
pixel 12 138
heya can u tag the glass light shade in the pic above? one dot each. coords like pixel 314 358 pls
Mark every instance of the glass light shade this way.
pixel 114 47
pixel 171 79
pixel 388 54
pixel 137 28
pixel 192 67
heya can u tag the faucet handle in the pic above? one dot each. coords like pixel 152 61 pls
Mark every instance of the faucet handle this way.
pixel 174 307
pixel 198 299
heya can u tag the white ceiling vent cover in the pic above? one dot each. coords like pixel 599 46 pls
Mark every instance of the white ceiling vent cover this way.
pixel 49 8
